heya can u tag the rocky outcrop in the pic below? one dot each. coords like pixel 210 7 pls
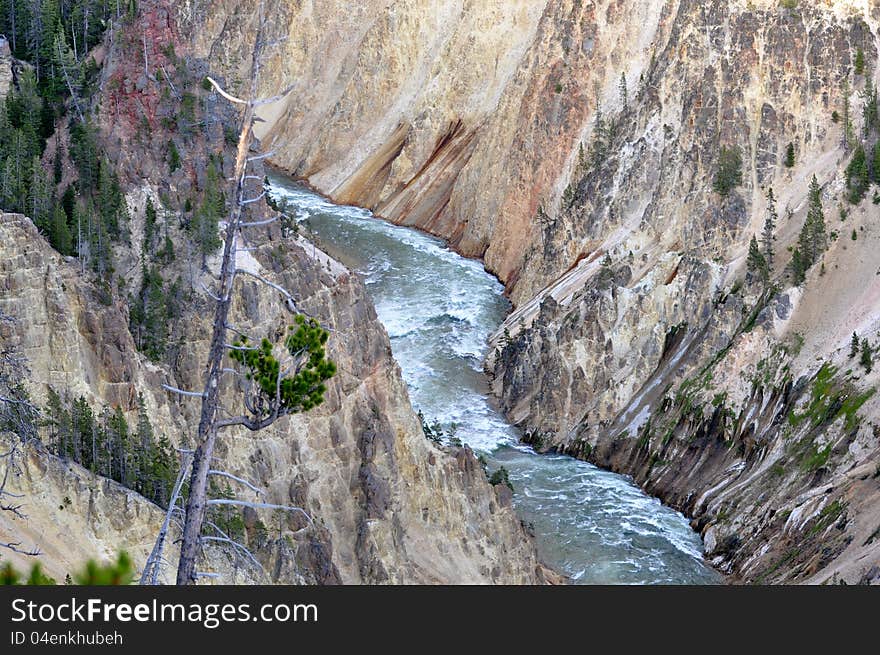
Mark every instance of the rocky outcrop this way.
pixel 637 337
pixel 71 516
pixel 5 68
pixel 661 351
pixel 389 507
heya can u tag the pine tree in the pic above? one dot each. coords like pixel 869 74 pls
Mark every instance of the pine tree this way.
pixel 59 423
pixel 798 267
pixel 582 160
pixel 860 62
pixel 168 251
pixel 756 263
pixel 100 254
pixel 87 440
pixel 729 172
pixel 111 201
pixel 870 111
pixel 847 118
pixel 815 224
pixel 173 157
pixel 118 450
pixel 854 345
pixel 875 163
pixel 107 446
pixel 203 225
pixel 866 360
pixel 49 22
pixel 789 155
pixel 39 206
pixel 149 228
pixel 624 93
pixel 857 176
pixel 59 232
pixel 84 151
pixel 767 237
pixel 163 470
pixel 148 315
pixel 67 73
pixel 599 147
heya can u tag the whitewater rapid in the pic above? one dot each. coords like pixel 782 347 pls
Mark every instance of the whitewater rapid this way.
pixel 439 309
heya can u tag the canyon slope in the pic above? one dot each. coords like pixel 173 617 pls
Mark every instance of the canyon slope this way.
pixel 575 147
pixel 388 506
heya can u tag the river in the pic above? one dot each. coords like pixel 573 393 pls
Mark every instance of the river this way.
pixel 439 309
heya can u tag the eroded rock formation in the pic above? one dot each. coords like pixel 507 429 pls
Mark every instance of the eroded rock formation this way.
pixel 638 340
pixel 388 506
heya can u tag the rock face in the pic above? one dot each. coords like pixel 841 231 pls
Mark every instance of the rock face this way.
pixel 389 507
pixel 638 341
pixel 5 67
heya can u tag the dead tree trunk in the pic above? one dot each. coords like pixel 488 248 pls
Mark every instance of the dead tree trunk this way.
pixel 264 408
pixel 207 432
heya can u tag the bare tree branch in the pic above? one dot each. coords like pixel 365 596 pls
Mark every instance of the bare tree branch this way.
pixel 224 474
pixel 275 98
pixel 248 201
pixel 219 89
pixel 291 303
pixel 264 155
pixel 14 547
pixel 268 221
pixel 252 505
pixel 196 394
pixel 152 568
pixel 209 292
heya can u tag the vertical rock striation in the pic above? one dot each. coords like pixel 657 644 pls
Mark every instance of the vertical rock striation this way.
pixel 638 340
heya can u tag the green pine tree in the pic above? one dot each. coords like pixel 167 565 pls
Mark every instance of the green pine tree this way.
pixel 789 155
pixel 168 251
pixel 203 225
pixel 848 136
pixel 870 111
pixel 149 229
pixel 173 157
pixel 812 240
pixel 148 315
pixel 798 267
pixel 857 176
pixel 59 232
pixel 729 171
pixel 875 163
pixel 756 263
pixel 866 359
pixel 767 235
pixel 854 345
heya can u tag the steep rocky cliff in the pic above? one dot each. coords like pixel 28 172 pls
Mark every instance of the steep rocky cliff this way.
pixel 638 341
pixel 388 506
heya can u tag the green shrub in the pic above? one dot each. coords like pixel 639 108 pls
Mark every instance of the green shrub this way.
pixel 120 572
pixel 728 175
pixel 501 476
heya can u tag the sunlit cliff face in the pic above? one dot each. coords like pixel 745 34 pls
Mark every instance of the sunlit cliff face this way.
pixel 478 123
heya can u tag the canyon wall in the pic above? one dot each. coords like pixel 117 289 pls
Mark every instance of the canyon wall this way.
pixel 387 506
pixel 639 341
